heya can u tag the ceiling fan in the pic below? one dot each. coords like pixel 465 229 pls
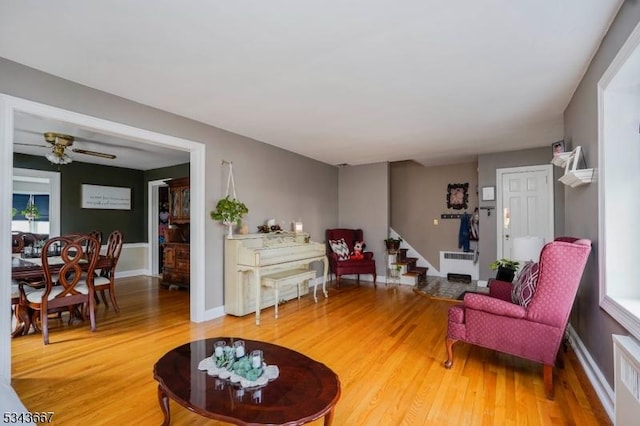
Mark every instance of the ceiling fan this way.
pixel 59 142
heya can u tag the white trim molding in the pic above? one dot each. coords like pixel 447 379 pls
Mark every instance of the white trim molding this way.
pixel 9 107
pixel 605 393
pixel 618 165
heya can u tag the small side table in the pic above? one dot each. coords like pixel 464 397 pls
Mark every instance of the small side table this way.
pixel 393 272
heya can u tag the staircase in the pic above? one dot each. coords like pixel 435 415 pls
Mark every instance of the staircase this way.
pixel 410 272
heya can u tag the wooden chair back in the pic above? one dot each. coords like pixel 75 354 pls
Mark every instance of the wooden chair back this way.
pixel 17 242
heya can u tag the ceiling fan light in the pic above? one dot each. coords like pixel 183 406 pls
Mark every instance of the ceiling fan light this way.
pixel 58 159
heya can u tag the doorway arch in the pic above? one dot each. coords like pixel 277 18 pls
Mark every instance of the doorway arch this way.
pixel 9 107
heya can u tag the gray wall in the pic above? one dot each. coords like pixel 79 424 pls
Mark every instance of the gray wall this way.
pixel 419 195
pixel 363 200
pixel 271 181
pixel 487 166
pixel 591 323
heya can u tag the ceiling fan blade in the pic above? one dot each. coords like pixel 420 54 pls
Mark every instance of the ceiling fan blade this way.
pixel 30 144
pixel 94 153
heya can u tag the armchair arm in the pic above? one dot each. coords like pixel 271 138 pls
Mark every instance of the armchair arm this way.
pixel 481 302
pixel 368 255
pixel 500 289
pixel 332 257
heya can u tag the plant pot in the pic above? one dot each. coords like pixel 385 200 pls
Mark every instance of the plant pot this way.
pixel 392 245
pixel 505 274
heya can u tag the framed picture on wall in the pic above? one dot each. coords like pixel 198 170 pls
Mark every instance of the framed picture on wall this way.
pixel 457 196
pixel 488 193
pixel 105 197
pixel 557 147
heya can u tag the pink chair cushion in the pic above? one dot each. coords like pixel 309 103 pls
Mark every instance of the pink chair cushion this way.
pixel 525 285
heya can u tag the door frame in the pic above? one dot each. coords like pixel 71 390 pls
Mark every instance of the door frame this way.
pixel 154 211
pixel 9 107
pixel 548 168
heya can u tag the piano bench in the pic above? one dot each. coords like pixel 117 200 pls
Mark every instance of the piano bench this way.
pixel 286 278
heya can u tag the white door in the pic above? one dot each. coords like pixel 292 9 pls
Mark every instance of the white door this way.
pixel 524 205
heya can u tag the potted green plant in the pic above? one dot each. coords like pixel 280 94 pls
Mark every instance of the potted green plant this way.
pixel 393 243
pixel 31 212
pixel 506 269
pixel 229 211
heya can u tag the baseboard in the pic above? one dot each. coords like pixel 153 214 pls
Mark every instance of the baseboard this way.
pixel 214 313
pixel 132 273
pixel 600 385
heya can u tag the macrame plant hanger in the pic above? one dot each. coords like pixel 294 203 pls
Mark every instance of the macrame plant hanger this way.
pixel 231 184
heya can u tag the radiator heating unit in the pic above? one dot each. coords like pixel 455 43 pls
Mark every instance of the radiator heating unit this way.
pixel 626 359
pixel 459 263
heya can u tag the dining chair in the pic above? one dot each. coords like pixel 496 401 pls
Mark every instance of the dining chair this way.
pixel 106 280
pixel 70 290
pixel 17 242
pixel 97 235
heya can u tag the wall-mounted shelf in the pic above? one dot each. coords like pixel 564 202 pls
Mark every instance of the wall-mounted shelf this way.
pixel 573 176
pixel 577 177
pixel 561 159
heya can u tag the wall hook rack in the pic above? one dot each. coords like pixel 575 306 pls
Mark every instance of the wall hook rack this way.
pixel 488 209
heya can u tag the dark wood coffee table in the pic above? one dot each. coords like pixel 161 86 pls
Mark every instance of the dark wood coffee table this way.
pixel 305 390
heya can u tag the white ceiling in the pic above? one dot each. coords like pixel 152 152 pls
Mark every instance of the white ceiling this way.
pixel 339 81
pixel 29 139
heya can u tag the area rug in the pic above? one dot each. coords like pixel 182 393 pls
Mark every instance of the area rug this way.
pixel 441 288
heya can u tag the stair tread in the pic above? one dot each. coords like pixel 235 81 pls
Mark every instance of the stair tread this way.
pixel 420 268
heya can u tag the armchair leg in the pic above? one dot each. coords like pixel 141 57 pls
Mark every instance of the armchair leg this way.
pixel 449 344
pixel 375 278
pixel 337 282
pixel 547 372
pixel 358 280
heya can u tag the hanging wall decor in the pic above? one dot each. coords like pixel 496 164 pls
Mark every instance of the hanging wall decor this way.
pixel 457 196
pixel 229 210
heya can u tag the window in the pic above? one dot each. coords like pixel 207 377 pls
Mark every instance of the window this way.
pixel 619 185
pixel 39 225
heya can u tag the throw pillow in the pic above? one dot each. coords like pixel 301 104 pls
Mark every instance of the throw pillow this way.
pixel 340 248
pixel 525 285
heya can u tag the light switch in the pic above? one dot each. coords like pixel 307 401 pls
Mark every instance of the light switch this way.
pixel 435 222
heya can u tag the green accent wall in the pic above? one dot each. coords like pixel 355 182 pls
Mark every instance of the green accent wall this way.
pixel 132 223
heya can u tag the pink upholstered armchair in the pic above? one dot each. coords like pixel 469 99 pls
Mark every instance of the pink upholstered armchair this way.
pixel 533 331
pixel 347 266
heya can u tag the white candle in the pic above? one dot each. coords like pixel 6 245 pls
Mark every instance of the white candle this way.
pixel 256 362
pixel 240 351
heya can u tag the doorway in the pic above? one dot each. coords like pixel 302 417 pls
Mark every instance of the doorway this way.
pixel 158 219
pixel 9 107
pixel 524 205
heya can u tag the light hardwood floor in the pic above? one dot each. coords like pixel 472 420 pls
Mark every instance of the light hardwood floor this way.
pixel 387 347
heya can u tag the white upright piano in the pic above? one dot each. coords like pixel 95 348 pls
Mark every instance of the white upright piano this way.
pixel 250 258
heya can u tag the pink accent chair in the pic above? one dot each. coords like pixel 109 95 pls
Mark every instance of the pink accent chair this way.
pixel 349 267
pixel 535 332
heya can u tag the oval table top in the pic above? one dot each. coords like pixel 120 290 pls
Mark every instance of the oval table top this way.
pixel 304 391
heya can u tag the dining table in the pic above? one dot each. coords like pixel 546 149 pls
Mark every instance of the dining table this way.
pixel 30 269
